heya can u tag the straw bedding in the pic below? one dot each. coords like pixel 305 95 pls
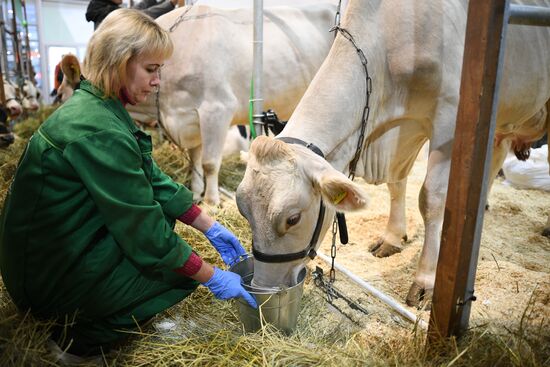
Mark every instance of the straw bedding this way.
pixel 202 331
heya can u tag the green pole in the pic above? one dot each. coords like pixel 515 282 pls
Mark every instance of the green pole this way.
pixel 251 111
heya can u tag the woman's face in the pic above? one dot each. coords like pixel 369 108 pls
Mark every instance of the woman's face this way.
pixel 142 77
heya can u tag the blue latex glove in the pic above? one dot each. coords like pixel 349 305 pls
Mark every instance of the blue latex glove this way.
pixel 226 285
pixel 226 243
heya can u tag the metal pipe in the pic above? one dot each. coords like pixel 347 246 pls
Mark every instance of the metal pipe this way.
pixel 16 54
pixel 394 304
pixel 45 80
pixel 3 41
pixel 28 63
pixel 229 194
pixel 257 100
pixel 529 15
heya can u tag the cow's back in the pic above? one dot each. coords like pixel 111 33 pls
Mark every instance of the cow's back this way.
pixel 213 54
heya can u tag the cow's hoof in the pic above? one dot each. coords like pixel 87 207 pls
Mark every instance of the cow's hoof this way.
pixel 384 249
pixel 546 232
pixel 419 297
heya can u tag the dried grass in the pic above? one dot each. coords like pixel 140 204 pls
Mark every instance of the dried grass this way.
pixel 207 332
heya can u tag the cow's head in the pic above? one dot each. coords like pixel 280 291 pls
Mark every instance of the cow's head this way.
pixel 280 196
pixel 12 103
pixel 71 77
pixel 31 94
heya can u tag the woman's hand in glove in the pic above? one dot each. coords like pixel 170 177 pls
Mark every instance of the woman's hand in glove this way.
pixel 226 285
pixel 225 243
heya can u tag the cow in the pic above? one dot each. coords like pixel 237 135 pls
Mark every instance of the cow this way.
pixel 70 66
pixel 11 110
pixel 206 83
pixel 12 103
pixel 414 52
pixel 237 140
pixel 30 96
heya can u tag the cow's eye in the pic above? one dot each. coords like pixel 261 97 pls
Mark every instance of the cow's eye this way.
pixel 293 220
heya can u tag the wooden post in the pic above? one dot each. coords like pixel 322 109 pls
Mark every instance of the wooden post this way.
pixel 471 159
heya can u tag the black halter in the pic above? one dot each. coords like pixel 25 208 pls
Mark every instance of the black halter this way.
pixel 310 249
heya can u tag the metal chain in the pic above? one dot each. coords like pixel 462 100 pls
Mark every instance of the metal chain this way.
pixel 332 273
pixel 337 16
pixel 366 111
pixel 179 19
pixel 359 148
pixel 332 294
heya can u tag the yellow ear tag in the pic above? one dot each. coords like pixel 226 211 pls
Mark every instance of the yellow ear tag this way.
pixel 339 197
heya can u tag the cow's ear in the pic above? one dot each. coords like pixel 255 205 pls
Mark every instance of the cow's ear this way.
pixel 342 194
pixel 244 156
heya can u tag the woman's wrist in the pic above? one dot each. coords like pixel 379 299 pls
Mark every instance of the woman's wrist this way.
pixel 204 274
pixel 190 215
pixel 191 266
pixel 203 222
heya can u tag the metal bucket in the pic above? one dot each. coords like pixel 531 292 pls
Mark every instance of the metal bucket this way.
pixel 278 308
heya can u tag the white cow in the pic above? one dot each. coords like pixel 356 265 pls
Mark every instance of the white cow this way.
pixel 30 96
pixel 12 103
pixel 414 51
pixel 236 141
pixel 206 84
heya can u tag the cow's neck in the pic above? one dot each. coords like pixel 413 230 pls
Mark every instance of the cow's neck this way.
pixel 329 114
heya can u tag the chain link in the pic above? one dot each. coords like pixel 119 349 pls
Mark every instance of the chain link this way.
pixel 332 273
pixel 337 16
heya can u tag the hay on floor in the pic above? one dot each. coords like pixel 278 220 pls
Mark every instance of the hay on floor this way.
pixel 203 331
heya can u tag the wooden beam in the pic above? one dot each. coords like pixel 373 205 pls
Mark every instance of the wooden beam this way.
pixel 471 158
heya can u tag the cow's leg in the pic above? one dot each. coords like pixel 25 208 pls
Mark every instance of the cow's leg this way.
pixel 197 175
pixel 432 205
pixel 215 122
pixel 396 229
pixel 499 155
pixel 182 126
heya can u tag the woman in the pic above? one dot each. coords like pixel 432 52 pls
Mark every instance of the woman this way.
pixel 87 227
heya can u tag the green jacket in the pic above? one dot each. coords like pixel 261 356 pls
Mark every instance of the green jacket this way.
pixel 87 197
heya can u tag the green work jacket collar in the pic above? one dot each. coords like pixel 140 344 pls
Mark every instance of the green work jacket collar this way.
pixel 113 103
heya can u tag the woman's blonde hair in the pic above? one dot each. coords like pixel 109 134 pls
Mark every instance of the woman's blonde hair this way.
pixel 123 34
